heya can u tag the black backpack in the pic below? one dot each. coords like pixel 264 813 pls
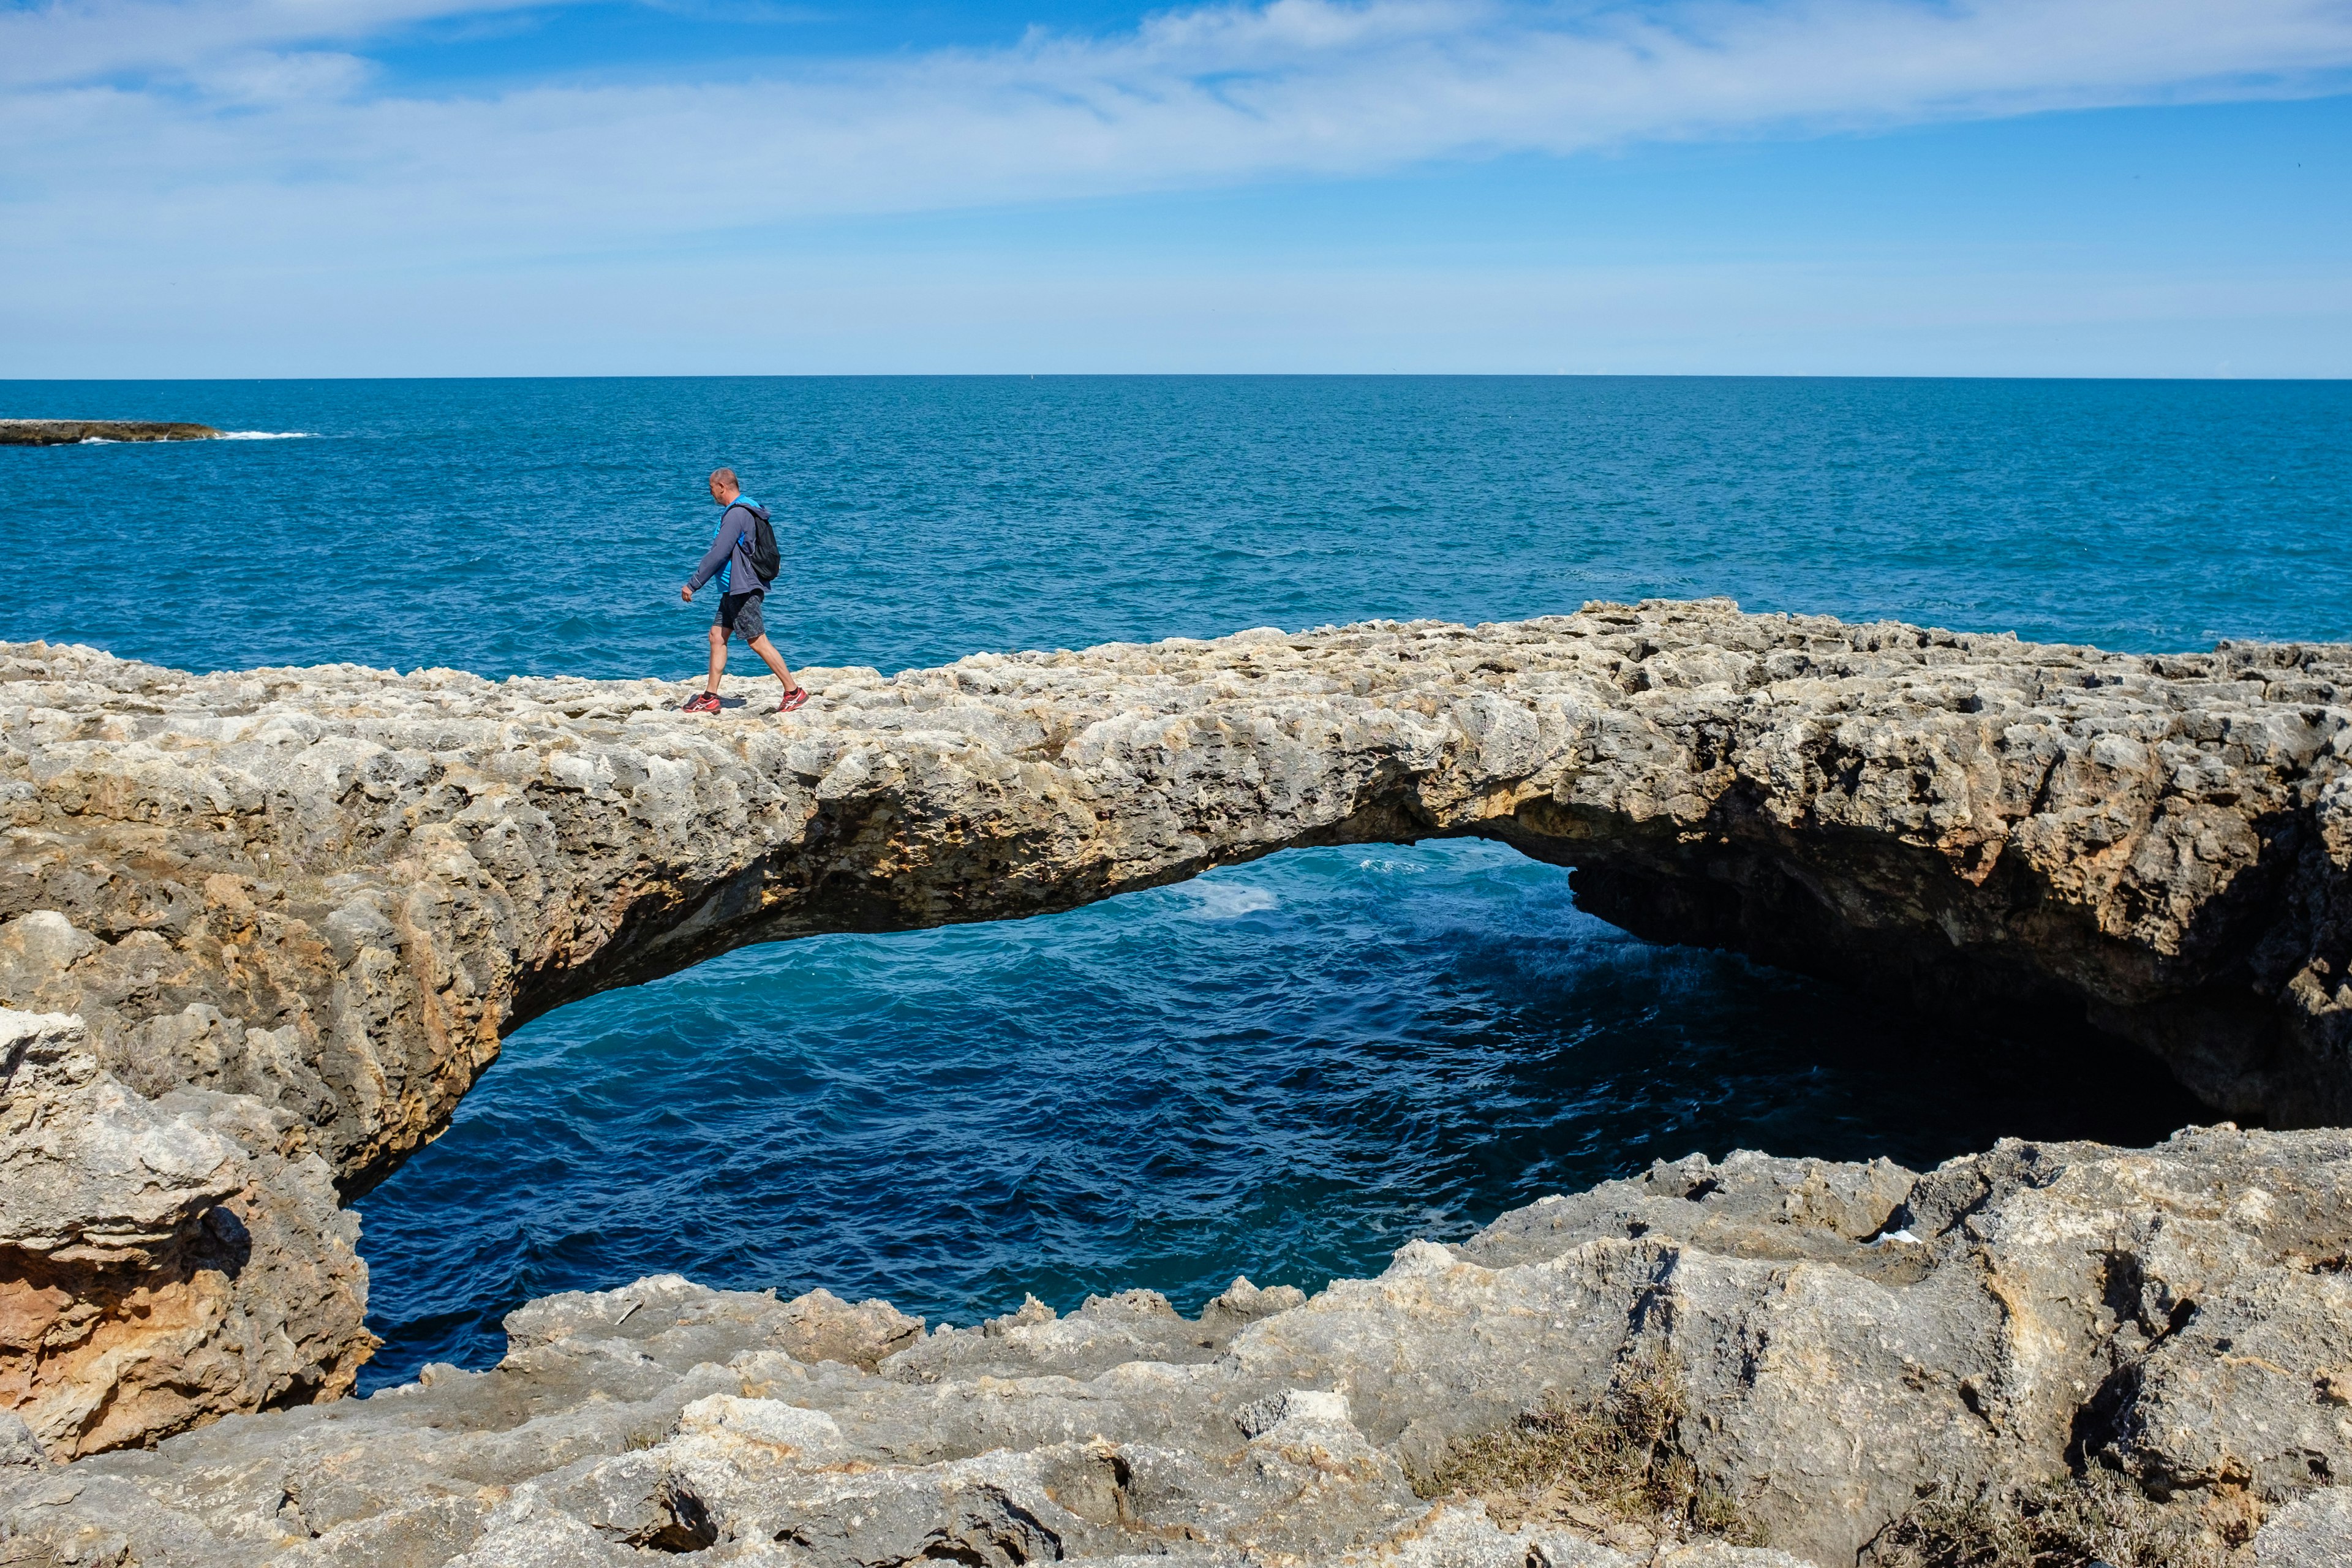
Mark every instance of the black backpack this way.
pixel 766 560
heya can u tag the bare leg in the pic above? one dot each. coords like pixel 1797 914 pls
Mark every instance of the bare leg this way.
pixel 717 656
pixel 775 661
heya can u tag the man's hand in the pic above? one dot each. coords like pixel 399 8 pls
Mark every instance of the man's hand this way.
pixel 685 592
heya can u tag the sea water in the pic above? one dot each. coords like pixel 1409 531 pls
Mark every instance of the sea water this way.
pixel 1287 1069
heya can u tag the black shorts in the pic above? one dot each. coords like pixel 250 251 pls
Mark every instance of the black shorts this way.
pixel 738 616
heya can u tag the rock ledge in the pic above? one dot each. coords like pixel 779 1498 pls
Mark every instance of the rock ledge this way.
pixel 2173 1325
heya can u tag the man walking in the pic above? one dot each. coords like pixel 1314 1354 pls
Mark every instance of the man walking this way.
pixel 741 591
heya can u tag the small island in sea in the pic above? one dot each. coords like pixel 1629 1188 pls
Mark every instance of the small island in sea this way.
pixel 70 432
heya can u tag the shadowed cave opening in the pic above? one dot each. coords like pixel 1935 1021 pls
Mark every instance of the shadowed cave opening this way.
pixel 1287 1068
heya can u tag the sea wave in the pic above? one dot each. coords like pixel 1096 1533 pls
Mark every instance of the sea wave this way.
pixel 223 435
pixel 1223 901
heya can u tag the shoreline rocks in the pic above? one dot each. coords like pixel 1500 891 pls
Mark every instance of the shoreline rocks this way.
pixel 70 432
pixel 325 895
pixel 160 1260
pixel 2164 1333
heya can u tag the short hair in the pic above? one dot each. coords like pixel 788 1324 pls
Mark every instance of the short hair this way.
pixel 724 477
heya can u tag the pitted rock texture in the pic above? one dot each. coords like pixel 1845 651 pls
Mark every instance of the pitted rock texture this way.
pixel 1851 1338
pixel 332 891
pixel 160 1260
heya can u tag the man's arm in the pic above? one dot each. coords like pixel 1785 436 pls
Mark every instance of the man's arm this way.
pixel 730 528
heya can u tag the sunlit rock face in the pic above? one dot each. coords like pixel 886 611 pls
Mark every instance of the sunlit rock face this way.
pixel 161 1261
pixel 1831 1352
pixel 328 894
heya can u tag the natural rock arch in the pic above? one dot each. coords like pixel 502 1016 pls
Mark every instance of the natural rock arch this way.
pixel 298 910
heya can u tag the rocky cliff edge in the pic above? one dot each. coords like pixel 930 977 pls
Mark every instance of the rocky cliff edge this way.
pixel 297 910
pixel 2142 1357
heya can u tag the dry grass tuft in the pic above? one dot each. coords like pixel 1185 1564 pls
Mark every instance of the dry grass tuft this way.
pixel 1619 1458
pixel 2099 1518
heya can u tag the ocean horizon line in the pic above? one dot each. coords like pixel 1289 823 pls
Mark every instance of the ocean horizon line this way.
pixel 1777 376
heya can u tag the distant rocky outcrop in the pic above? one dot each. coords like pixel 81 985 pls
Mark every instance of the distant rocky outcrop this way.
pixel 66 432
pixel 328 894
pixel 2145 1355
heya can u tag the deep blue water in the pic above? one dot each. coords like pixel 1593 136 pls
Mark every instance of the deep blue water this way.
pixel 1285 1069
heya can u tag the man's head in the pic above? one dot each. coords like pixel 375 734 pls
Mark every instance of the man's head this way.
pixel 723 487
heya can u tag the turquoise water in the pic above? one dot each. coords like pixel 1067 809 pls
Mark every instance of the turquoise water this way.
pixel 1285 1069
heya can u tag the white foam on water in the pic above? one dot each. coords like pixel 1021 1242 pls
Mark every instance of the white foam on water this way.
pixel 223 435
pixel 1388 867
pixel 1216 902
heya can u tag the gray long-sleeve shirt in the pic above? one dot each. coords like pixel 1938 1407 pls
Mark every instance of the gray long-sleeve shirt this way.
pixel 730 556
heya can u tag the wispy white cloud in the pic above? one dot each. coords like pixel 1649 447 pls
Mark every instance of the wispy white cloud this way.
pixel 75 41
pixel 261 78
pixel 253 128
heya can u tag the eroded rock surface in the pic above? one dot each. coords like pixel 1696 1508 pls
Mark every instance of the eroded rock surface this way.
pixel 1849 1340
pixel 66 432
pixel 160 1260
pixel 329 893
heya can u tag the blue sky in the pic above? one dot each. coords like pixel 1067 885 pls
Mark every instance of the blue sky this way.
pixel 304 187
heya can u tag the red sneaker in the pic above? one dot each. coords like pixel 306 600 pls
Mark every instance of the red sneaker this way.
pixel 701 702
pixel 792 699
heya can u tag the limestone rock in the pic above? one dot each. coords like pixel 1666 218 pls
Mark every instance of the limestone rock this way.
pixel 89 1172
pixel 1845 1339
pixel 329 893
pixel 66 432
pixel 2314 1533
pixel 160 1261
pixel 17 1444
